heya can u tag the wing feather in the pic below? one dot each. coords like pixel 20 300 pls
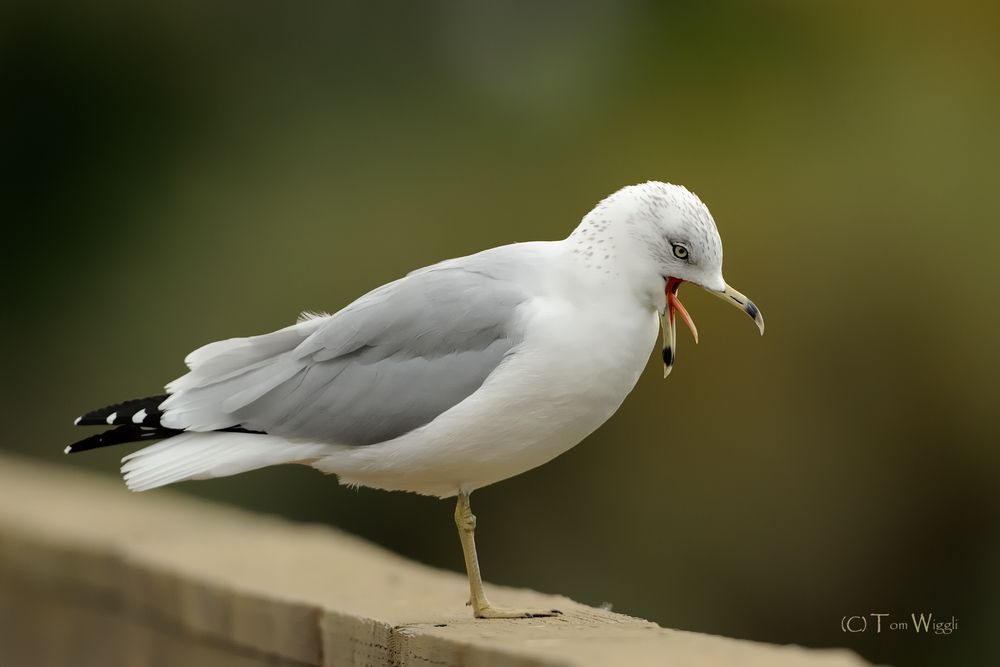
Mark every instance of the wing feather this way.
pixel 388 363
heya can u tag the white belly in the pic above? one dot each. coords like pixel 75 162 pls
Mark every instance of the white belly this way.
pixel 570 374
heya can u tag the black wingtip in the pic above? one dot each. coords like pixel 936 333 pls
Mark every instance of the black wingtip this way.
pixel 120 435
pixel 137 420
pixel 146 409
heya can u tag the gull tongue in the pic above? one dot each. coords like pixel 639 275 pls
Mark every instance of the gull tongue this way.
pixel 668 323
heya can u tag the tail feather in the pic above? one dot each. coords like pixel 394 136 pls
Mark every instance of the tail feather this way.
pixel 200 455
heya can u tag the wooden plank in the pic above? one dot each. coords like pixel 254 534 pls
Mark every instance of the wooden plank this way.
pixel 91 574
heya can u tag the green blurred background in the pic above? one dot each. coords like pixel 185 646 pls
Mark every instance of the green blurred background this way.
pixel 184 172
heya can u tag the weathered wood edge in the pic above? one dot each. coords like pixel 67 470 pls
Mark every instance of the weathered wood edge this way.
pixel 178 574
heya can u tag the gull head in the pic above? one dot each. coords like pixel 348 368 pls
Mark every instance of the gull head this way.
pixel 667 237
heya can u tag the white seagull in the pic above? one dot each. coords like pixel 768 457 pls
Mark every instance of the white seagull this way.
pixel 454 377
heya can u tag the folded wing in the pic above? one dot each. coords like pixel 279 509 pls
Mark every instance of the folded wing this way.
pixel 388 363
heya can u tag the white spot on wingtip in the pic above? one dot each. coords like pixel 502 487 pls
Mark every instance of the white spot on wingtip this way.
pixel 139 417
pixel 112 417
pixel 68 449
pixel 76 422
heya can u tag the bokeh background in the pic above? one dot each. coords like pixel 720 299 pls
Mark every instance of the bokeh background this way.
pixel 181 172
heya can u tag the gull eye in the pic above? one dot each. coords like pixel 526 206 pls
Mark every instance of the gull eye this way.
pixel 680 252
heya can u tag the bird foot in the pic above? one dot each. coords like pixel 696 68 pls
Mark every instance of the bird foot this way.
pixel 505 612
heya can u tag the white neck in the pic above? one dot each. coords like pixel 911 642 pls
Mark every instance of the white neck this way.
pixel 612 258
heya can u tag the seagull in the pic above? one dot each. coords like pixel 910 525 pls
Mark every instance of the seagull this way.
pixel 456 376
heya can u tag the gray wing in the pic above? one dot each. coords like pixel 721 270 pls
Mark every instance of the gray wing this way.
pixel 388 363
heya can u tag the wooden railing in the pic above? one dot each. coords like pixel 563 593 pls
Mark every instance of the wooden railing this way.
pixel 91 574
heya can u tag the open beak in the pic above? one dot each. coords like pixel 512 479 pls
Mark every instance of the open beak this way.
pixel 675 308
pixel 668 323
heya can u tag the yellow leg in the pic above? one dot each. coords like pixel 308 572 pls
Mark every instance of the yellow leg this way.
pixel 481 607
